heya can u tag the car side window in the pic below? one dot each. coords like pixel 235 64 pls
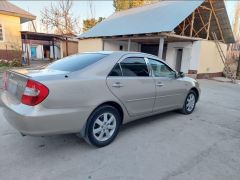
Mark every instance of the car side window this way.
pixel 116 71
pixel 134 66
pixel 160 69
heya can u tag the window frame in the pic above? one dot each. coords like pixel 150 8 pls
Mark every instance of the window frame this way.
pixel 3 32
pixel 161 61
pixel 119 63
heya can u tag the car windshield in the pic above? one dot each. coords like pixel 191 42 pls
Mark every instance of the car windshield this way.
pixel 76 62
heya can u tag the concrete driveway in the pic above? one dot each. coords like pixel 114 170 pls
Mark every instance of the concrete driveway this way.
pixel 201 146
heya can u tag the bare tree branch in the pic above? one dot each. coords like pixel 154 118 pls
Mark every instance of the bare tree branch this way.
pixel 59 19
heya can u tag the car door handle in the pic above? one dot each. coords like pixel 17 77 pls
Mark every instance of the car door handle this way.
pixel 117 85
pixel 160 84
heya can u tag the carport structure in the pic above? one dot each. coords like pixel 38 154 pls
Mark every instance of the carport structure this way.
pixel 176 31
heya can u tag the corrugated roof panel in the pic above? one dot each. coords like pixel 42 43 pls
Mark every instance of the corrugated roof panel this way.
pixel 159 17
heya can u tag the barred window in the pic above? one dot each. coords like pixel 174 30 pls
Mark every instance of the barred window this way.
pixel 1 32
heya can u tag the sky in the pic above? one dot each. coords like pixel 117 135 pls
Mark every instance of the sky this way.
pixel 81 8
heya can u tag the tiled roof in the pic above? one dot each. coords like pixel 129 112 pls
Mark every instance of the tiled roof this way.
pixel 10 9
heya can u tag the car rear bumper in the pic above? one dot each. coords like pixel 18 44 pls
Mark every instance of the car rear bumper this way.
pixel 39 121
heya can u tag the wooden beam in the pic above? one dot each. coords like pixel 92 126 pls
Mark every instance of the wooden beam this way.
pixel 186 28
pixel 192 24
pixel 183 29
pixel 180 27
pixel 209 25
pixel 200 30
pixel 206 8
pixel 201 19
pixel 221 9
pixel 216 18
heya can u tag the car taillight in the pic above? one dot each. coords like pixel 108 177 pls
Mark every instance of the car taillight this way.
pixel 34 93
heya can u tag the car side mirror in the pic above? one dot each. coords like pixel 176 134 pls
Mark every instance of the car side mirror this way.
pixel 180 74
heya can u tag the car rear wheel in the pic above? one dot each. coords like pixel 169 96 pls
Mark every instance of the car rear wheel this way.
pixel 190 103
pixel 103 126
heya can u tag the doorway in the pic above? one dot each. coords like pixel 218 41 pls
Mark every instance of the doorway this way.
pixel 179 60
pixel 46 51
pixel 150 49
pixel 33 52
pixel 153 49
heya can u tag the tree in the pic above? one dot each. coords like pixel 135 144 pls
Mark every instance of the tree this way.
pixel 59 19
pixel 89 23
pixel 120 5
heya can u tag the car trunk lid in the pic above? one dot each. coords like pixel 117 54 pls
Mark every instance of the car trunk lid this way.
pixel 15 81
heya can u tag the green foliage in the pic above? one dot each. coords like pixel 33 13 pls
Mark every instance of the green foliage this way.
pixel 13 63
pixel 120 5
pixel 89 23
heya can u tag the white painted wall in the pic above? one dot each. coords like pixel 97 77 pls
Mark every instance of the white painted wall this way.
pixel 195 55
pixel 39 51
pixel 111 45
pixel 40 54
pixel 57 52
pixel 172 54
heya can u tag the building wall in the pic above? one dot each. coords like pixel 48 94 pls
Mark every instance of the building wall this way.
pixel 210 60
pixel 39 51
pixel 90 45
pixel 186 57
pixel 72 48
pixel 111 45
pixel 11 32
pixel 57 52
pixel 195 56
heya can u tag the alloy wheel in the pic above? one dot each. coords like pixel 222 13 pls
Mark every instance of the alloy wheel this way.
pixel 190 103
pixel 104 127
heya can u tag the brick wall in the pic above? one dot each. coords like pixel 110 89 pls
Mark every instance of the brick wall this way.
pixel 10 54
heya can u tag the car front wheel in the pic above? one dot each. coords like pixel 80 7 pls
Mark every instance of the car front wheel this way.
pixel 103 126
pixel 190 103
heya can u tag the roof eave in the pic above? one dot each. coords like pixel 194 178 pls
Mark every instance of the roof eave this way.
pixel 23 17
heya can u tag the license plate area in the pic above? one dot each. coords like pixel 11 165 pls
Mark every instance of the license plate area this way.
pixel 15 84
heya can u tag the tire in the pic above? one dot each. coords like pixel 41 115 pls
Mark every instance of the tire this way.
pixel 102 126
pixel 190 103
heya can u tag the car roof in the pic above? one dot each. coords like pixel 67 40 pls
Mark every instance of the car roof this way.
pixel 121 53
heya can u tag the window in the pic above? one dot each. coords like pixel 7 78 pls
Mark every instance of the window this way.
pixel 1 32
pixel 76 62
pixel 134 66
pixel 160 69
pixel 116 71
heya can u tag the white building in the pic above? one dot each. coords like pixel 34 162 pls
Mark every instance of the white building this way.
pixel 42 46
pixel 179 32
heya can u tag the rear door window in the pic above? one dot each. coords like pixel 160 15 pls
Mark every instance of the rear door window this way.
pixel 76 62
pixel 134 66
pixel 116 71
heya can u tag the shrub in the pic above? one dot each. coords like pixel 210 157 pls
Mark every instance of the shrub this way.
pixel 3 62
pixel 13 63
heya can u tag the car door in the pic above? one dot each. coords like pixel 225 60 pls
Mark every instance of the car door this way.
pixel 131 83
pixel 170 91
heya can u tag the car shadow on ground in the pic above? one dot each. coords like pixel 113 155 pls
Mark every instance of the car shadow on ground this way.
pixel 72 141
pixel 148 120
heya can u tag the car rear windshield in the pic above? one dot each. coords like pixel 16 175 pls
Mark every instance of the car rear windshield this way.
pixel 76 62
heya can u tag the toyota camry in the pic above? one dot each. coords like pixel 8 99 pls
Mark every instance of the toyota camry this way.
pixel 93 94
